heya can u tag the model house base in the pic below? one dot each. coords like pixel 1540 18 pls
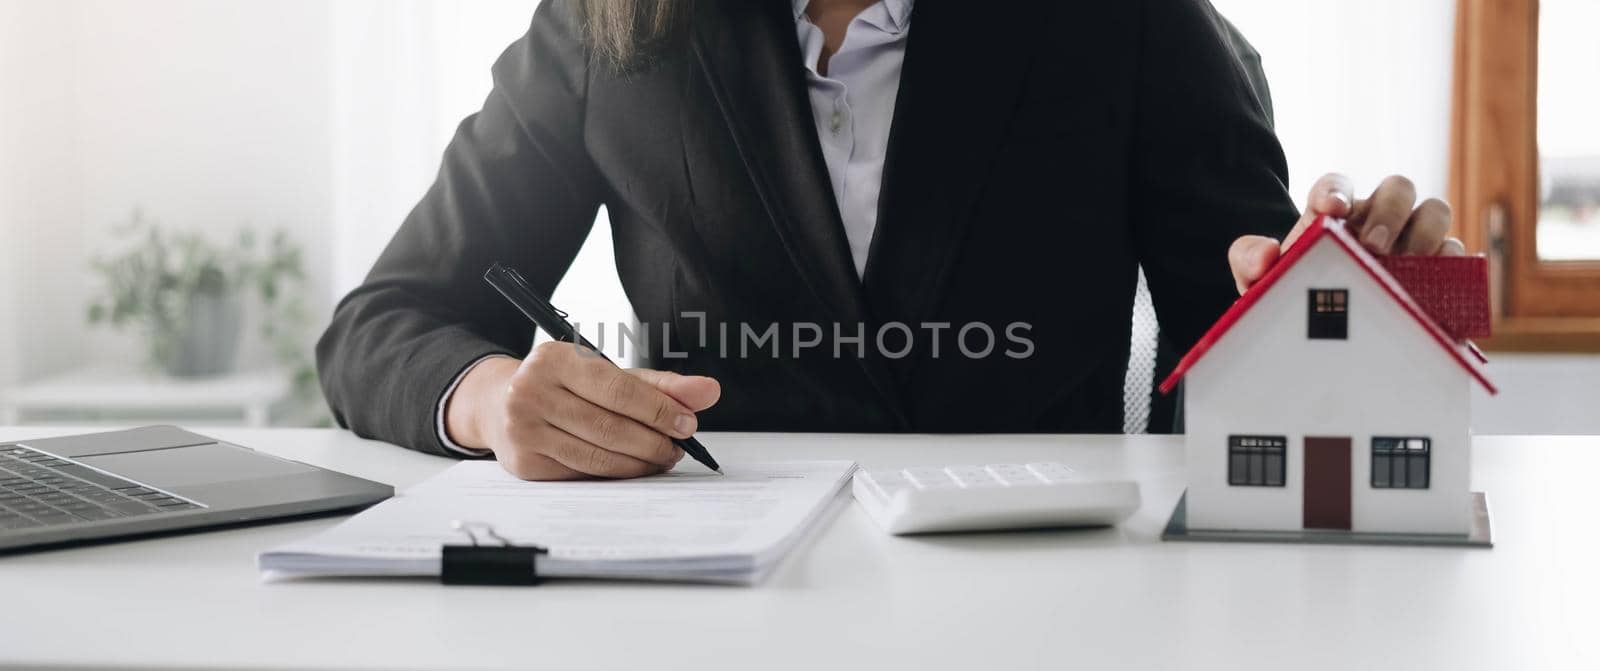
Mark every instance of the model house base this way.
pixel 1479 536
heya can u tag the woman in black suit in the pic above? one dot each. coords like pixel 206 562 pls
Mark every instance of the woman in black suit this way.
pixel 823 212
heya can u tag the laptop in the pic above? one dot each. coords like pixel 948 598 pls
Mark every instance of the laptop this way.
pixel 155 479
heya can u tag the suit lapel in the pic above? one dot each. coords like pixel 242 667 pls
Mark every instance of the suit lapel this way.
pixel 961 84
pixel 751 57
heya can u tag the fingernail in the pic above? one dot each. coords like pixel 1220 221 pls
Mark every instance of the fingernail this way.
pixel 685 425
pixel 1377 237
pixel 1345 200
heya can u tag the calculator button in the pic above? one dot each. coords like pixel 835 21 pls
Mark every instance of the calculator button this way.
pixel 1051 472
pixel 887 482
pixel 972 476
pixel 930 478
pixel 1014 475
pixel 889 478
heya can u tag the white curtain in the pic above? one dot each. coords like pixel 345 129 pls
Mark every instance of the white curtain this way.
pixel 1359 86
pixel 406 73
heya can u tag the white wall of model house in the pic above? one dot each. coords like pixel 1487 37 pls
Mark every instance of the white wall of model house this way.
pixel 1388 378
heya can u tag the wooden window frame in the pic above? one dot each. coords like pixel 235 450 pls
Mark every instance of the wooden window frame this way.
pixel 1494 183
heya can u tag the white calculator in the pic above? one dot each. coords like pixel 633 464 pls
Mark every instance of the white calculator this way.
pixel 932 499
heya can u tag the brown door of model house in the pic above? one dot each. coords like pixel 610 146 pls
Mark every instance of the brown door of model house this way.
pixel 1327 483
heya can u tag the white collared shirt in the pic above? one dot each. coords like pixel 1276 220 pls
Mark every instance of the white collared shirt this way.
pixel 853 106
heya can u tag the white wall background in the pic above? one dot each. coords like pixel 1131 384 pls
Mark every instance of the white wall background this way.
pixel 39 186
pixel 213 128
pixel 328 117
pixel 207 115
pixel 322 117
pixel 1569 50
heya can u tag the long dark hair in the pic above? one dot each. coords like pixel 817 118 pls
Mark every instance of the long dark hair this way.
pixel 626 32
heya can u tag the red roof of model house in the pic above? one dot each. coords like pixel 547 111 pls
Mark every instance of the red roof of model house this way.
pixel 1454 290
pixel 1447 296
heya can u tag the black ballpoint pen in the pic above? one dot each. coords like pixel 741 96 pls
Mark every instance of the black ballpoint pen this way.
pixel 554 322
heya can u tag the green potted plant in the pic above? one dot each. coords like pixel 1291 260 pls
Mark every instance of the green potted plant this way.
pixel 187 295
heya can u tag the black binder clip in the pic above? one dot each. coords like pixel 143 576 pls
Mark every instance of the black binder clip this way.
pixel 481 564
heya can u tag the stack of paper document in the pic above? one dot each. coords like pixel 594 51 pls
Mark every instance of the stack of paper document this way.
pixel 686 525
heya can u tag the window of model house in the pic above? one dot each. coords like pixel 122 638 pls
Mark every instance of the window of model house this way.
pixel 1329 314
pixel 1400 463
pixel 1256 461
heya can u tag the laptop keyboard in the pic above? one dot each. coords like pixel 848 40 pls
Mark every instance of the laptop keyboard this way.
pixel 38 490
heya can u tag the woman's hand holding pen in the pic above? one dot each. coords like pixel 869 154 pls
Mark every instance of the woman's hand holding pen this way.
pixel 565 414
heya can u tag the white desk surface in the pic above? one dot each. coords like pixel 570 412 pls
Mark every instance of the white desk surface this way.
pixel 855 598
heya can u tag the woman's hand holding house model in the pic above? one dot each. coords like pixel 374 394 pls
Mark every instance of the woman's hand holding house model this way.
pixel 1388 222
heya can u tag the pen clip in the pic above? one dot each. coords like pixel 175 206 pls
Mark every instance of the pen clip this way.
pixel 515 288
pixel 552 319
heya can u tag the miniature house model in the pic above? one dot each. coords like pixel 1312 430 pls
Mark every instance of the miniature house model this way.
pixel 1335 395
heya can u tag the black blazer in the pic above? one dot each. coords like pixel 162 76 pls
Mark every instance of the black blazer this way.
pixel 1040 152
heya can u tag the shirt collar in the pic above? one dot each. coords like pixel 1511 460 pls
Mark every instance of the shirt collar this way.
pixel 899 12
